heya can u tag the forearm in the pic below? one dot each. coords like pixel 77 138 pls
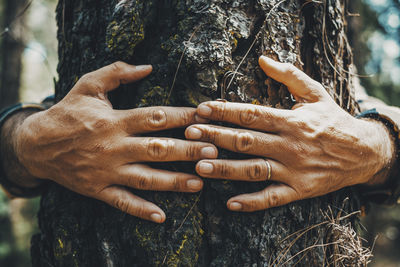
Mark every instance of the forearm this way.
pixel 13 170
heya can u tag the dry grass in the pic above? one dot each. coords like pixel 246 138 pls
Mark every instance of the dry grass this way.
pixel 341 244
pixel 346 247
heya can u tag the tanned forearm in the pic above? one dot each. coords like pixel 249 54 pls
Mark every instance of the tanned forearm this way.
pixel 13 169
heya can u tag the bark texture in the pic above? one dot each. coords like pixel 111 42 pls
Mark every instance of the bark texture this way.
pixel 208 40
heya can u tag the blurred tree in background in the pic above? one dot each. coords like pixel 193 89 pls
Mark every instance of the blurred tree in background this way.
pixel 26 70
pixel 375 38
pixel 374 34
pixel 12 46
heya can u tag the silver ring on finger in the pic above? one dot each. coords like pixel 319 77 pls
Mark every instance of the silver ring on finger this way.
pixel 269 168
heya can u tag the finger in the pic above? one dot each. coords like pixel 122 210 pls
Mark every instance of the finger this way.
pixel 144 120
pixel 110 77
pixel 246 115
pixel 273 196
pixel 238 140
pixel 127 202
pixel 145 178
pixel 149 149
pixel 252 170
pixel 302 87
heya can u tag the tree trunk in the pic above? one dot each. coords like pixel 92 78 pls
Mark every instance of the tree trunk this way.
pixel 203 43
pixel 12 46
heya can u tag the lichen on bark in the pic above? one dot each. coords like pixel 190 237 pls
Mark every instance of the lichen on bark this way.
pixel 200 50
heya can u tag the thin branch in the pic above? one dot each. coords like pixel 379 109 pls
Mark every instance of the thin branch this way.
pixel 187 215
pixel 179 64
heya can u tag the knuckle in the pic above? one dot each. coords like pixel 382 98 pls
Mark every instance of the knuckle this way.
pixel 299 150
pixel 86 81
pixel 223 169
pixel 99 148
pixel 102 122
pixel 185 117
pixel 157 119
pixel 252 205
pixel 176 183
pixel 87 78
pixel 243 141
pixel 272 199
pixel 121 204
pixel 143 182
pixel 272 120
pixel 90 81
pixel 159 149
pixel 210 134
pixel 249 116
pixel 140 210
pixel 255 171
pixel 191 152
pixel 117 66
pixel 290 70
pixel 300 124
pixel 219 111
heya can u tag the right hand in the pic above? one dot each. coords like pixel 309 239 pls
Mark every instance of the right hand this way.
pixel 85 145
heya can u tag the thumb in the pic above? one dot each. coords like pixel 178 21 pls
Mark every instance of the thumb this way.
pixel 300 85
pixel 110 77
pixel 272 196
pixel 122 199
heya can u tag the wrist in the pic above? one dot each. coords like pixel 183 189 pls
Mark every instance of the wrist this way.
pixel 14 176
pixel 18 149
pixel 384 185
pixel 384 144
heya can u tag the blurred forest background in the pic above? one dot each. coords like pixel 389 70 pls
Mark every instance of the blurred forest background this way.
pixel 28 60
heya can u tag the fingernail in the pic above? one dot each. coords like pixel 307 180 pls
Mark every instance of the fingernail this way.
pixel 155 217
pixel 268 59
pixel 235 206
pixel 208 152
pixel 194 133
pixel 199 119
pixel 143 67
pixel 204 110
pixel 194 184
pixel 206 168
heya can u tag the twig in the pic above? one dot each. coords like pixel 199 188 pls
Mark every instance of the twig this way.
pixel 179 64
pixel 187 215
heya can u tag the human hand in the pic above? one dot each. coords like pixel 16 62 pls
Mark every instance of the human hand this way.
pixel 85 145
pixel 313 149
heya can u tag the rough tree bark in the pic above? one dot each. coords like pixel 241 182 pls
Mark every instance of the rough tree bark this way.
pixel 206 40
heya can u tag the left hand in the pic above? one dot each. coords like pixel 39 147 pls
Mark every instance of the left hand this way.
pixel 314 149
